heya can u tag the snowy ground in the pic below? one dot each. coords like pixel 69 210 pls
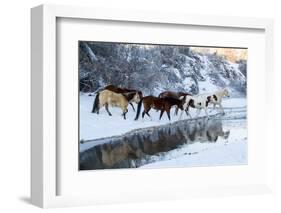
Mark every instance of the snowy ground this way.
pixel 93 126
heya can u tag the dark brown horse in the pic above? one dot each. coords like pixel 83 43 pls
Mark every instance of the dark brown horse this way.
pixel 162 104
pixel 172 94
pixel 175 95
pixel 122 90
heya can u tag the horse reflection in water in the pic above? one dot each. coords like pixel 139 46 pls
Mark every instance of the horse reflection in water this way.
pixel 134 148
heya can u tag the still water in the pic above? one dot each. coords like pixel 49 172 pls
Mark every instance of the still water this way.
pixel 135 148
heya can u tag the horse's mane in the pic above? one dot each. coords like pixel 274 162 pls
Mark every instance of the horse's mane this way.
pixel 184 93
pixel 122 89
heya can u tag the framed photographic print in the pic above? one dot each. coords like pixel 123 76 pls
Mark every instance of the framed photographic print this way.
pixel 150 106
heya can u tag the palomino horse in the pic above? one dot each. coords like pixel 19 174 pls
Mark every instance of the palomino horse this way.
pixel 198 102
pixel 107 97
pixel 162 104
pixel 216 98
pixel 175 95
pixel 123 90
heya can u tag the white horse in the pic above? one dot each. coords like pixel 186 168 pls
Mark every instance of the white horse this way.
pixel 216 98
pixel 198 102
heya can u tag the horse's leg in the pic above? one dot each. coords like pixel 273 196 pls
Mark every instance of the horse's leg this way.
pixel 106 107
pixel 124 113
pixel 187 113
pixel 145 110
pixel 133 106
pixel 143 113
pixel 221 108
pixel 168 113
pixel 149 116
pixel 206 112
pixel 181 114
pixel 176 110
pixel 161 113
pixel 98 109
pixel 148 113
pixel 198 112
pixel 214 107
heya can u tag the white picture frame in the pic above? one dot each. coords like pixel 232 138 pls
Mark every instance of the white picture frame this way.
pixel 44 155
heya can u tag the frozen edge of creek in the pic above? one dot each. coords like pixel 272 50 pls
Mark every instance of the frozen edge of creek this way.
pixel 87 144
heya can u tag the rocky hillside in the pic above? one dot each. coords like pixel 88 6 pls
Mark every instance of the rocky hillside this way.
pixel 154 68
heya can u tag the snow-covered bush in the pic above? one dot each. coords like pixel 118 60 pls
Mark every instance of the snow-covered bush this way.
pixel 154 68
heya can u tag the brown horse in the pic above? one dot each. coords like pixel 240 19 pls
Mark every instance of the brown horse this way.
pixel 123 90
pixel 162 104
pixel 108 98
pixel 175 95
pixel 172 94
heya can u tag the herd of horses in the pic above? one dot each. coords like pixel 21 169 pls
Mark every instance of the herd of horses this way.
pixel 121 97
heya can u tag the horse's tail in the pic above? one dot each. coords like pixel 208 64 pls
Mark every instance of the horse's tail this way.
pixel 139 109
pixel 96 103
pixel 98 90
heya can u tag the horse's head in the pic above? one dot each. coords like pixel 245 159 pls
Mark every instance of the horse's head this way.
pixel 226 93
pixel 137 97
pixel 140 94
